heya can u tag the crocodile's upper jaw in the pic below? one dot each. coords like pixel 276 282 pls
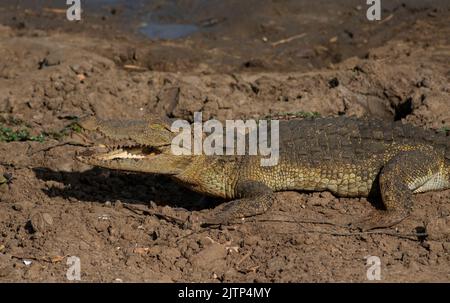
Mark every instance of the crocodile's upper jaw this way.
pixel 129 152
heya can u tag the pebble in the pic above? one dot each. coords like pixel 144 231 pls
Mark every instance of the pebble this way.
pixel 47 218
pixel 203 242
pixel 40 222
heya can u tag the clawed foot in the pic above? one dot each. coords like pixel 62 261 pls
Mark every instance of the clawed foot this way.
pixel 379 219
pixel 236 211
pixel 224 215
pixel 255 199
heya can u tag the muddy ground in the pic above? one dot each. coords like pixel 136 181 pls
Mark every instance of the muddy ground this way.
pixel 245 59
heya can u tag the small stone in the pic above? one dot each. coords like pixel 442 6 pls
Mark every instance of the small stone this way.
pixel 334 39
pixel 47 218
pixel 203 242
pixel 107 204
pixel 40 222
pixel 81 77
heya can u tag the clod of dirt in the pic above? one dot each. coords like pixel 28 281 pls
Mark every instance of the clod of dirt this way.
pixel 40 222
pixel 212 258
pixel 439 229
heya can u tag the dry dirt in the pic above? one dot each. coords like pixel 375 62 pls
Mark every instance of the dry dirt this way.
pixel 53 207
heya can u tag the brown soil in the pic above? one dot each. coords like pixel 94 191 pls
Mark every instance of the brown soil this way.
pixel 53 207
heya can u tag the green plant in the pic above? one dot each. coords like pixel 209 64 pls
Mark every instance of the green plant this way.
pixel 9 135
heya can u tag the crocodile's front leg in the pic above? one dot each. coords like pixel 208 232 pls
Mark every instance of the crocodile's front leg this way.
pixel 254 198
pixel 399 178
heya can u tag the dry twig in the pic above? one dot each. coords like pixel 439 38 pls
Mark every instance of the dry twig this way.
pixel 282 41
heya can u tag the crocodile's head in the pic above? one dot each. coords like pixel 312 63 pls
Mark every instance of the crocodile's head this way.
pixel 143 146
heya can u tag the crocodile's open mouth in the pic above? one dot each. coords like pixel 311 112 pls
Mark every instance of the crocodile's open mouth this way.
pixel 104 153
pixel 142 146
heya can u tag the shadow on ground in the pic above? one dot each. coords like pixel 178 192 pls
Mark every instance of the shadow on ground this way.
pixel 100 185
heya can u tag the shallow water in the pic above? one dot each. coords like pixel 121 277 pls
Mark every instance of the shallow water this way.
pixel 154 24
pixel 168 31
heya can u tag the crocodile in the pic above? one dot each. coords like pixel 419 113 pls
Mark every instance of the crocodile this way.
pixel 348 156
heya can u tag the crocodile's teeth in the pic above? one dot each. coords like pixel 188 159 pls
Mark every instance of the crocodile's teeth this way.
pixel 121 154
pixel 111 155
